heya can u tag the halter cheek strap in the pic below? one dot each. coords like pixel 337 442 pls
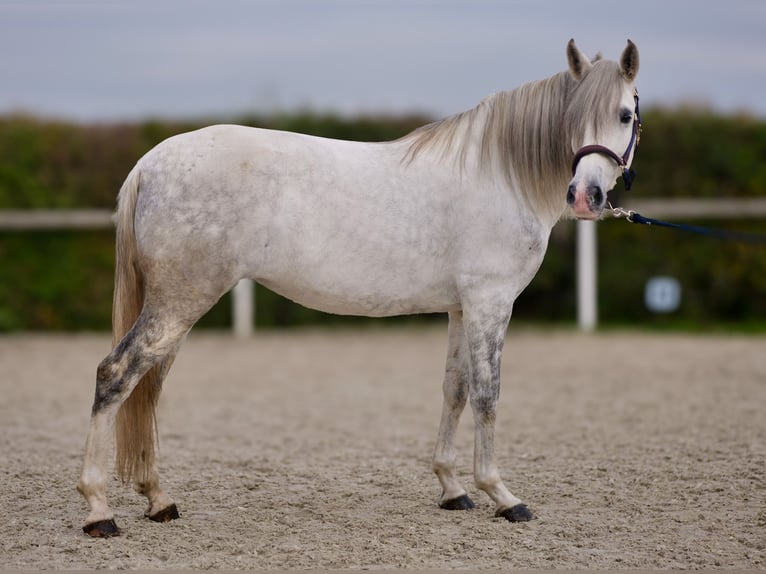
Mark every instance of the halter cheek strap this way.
pixel 628 175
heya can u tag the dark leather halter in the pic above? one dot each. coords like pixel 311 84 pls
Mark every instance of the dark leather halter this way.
pixel 628 175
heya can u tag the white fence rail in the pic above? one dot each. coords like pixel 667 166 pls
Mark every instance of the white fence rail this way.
pixel 243 294
pixel 54 219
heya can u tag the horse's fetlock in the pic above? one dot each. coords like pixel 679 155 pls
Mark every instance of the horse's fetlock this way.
pixel 440 464
pixel 488 481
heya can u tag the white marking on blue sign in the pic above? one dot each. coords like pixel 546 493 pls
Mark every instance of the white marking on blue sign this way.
pixel 662 294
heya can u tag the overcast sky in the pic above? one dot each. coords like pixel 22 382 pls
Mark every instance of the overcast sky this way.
pixel 110 60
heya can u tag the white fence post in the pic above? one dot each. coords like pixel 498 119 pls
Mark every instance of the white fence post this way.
pixel 243 297
pixel 587 286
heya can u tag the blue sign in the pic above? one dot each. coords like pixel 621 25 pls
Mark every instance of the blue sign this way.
pixel 662 294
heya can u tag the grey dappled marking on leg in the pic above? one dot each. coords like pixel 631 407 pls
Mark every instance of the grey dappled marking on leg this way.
pixel 485 336
pixel 455 391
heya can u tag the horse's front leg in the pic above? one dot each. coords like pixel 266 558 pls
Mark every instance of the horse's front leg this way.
pixel 485 337
pixel 455 388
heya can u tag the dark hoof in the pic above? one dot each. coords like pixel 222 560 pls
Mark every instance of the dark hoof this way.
pixel 166 514
pixel 459 503
pixel 102 529
pixel 518 513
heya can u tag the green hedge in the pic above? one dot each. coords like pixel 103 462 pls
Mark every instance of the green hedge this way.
pixel 63 280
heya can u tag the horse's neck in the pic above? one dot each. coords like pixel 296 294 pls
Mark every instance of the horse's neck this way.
pixel 515 139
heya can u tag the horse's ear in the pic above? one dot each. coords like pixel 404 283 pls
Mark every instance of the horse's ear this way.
pixel 579 64
pixel 629 62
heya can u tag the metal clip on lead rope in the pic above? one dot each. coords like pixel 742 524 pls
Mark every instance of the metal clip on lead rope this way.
pixel 619 212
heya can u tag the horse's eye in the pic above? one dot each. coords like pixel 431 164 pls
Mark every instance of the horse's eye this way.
pixel 626 116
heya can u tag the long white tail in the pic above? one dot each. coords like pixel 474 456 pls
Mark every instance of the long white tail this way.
pixel 135 426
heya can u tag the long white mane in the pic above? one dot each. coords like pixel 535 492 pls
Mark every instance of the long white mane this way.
pixel 529 133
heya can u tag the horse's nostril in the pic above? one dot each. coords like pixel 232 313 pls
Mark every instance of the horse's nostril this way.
pixel 597 194
pixel 571 195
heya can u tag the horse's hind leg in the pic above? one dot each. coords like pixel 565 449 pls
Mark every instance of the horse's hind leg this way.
pixel 161 507
pixel 455 389
pixel 152 339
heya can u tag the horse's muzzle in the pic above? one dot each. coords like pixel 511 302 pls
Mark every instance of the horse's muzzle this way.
pixel 586 202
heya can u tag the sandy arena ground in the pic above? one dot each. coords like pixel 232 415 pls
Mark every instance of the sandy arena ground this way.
pixel 312 450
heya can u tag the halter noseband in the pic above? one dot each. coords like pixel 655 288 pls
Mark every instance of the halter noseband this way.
pixel 628 175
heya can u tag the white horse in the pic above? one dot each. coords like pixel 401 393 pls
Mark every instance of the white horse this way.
pixel 454 217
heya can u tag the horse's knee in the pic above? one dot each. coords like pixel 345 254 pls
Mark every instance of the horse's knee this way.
pixel 456 394
pixel 484 405
pixel 485 392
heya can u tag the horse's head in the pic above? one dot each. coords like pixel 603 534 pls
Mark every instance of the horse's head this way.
pixel 606 126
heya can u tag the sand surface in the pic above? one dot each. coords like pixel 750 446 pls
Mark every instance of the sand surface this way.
pixel 312 450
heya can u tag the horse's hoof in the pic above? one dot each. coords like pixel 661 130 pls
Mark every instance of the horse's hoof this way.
pixel 459 503
pixel 518 513
pixel 166 514
pixel 102 529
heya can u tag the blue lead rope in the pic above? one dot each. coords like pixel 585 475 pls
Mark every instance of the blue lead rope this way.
pixel 634 217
